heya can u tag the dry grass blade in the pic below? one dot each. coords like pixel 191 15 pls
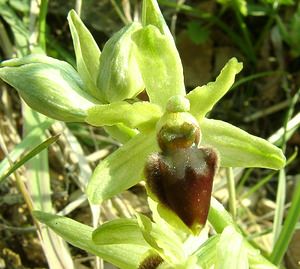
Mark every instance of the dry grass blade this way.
pixel 54 247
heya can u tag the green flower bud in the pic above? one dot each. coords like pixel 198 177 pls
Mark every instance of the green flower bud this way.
pixel 49 86
pixel 119 76
pixel 87 54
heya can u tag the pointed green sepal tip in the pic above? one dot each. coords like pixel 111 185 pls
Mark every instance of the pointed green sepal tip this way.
pixel 49 86
pixel 152 15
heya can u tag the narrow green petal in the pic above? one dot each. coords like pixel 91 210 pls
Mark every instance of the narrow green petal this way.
pixel 160 65
pixel 124 256
pixel 121 169
pixel 87 54
pixel 133 115
pixel 202 99
pixel 119 231
pixel 237 148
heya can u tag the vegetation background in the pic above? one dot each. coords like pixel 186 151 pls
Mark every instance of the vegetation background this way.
pixel 264 35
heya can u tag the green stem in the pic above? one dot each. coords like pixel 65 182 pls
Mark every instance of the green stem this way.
pixel 43 24
pixel 78 6
pixel 231 190
pixel 245 32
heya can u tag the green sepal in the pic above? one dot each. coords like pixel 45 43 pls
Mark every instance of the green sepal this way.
pixel 152 16
pixel 139 114
pixel 87 54
pixel 121 169
pixel 49 86
pixel 119 231
pixel 124 256
pixel 119 76
pixel 160 65
pixel 202 99
pixel 237 148
pixel 231 251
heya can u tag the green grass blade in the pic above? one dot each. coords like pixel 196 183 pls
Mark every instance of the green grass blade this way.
pixel 281 191
pixel 28 156
pixel 28 141
pixel 288 229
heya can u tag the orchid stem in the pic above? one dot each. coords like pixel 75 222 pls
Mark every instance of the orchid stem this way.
pixel 231 190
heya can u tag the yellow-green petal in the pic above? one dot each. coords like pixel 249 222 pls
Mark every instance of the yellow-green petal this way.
pixel 202 99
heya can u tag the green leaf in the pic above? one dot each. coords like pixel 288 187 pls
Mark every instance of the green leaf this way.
pixel 133 115
pixel 152 16
pixel 160 65
pixel 87 54
pixel 197 33
pixel 119 231
pixel 49 86
pixel 119 75
pixel 121 169
pixel 29 156
pixel 237 148
pixel 202 99
pixel 166 242
pixel 124 256
pixel 231 251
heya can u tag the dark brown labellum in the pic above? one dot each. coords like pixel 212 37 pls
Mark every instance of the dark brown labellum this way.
pixel 182 181
pixel 151 262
